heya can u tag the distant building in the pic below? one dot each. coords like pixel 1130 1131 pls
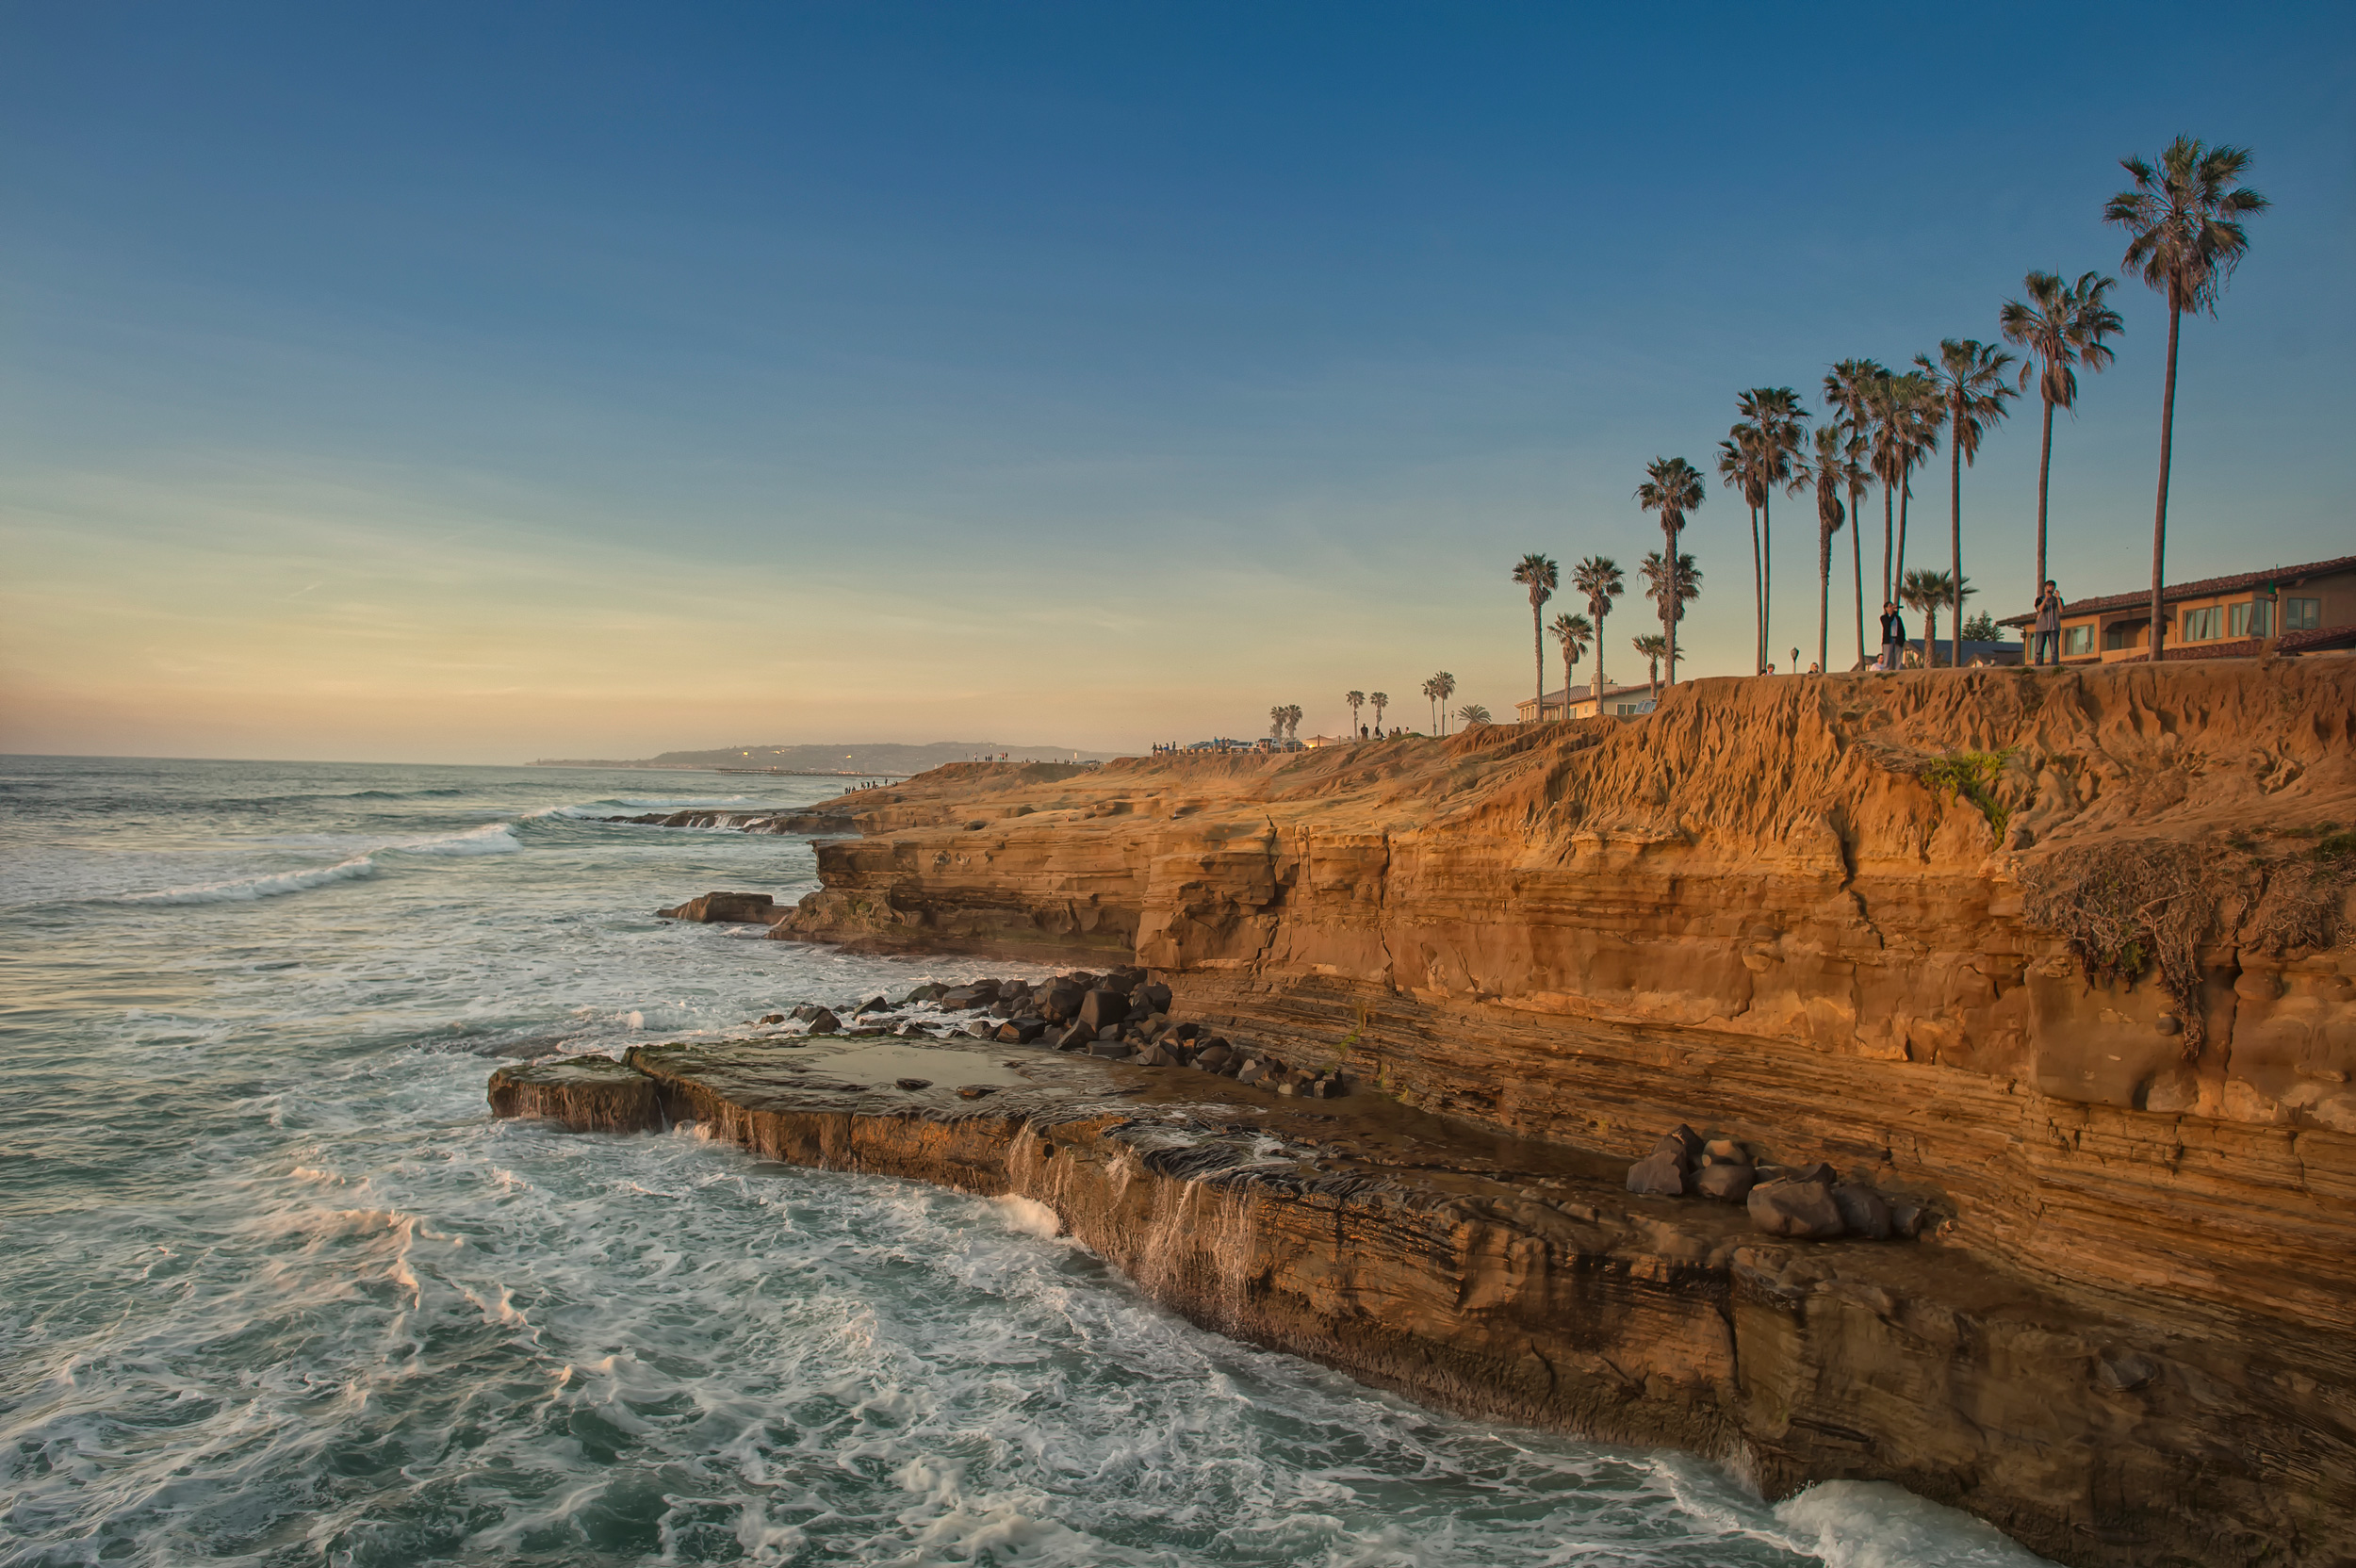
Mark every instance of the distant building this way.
pixel 1618 702
pixel 2293 608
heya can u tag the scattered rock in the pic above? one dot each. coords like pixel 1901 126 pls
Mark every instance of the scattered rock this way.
pixel 1079 1036
pixel 1799 1209
pixel 1862 1211
pixel 1659 1174
pixel 806 1011
pixel 825 1022
pixel 773 1018
pixel 1213 1056
pixel 1115 1048
pixel 1252 1072
pixel 1102 1009
pixel 1724 1152
pixel 1728 1184
pixel 929 992
pixel 914 1084
pixel 976 1091
pixel 1157 997
pixel 872 1005
pixel 1688 1141
pixel 730 909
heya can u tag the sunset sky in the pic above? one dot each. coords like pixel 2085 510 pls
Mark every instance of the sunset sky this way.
pixel 475 383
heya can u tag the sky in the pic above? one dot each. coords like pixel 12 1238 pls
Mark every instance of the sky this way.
pixel 479 383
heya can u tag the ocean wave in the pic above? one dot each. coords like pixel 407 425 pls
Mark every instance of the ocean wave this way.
pixel 241 888
pixel 497 838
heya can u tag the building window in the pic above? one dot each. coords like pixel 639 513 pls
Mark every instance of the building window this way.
pixel 2123 635
pixel 2204 626
pixel 2302 614
pixel 2254 620
pixel 2077 640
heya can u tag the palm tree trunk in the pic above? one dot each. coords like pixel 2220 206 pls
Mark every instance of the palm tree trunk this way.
pixel 1538 654
pixel 1824 596
pixel 1599 615
pixel 2167 437
pixel 1766 575
pixel 1906 496
pixel 1857 565
pixel 1930 635
pixel 1954 522
pixel 1668 611
pixel 1759 602
pixel 2044 472
pixel 1889 585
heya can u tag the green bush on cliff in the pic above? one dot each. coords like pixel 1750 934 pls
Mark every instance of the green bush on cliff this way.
pixel 1973 775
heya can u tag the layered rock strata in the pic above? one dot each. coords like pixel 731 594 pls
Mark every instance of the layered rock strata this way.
pixel 1511 1278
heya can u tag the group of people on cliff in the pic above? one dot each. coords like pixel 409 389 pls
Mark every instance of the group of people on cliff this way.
pixel 2044 643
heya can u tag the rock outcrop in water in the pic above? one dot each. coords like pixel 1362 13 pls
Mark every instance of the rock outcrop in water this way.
pixel 1503 1277
pixel 2066 950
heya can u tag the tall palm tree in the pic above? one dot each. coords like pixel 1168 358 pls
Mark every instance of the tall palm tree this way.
pixel 1738 469
pixel 1380 700
pixel 1776 413
pixel 1906 432
pixel 1855 386
pixel 1970 376
pixel 1292 721
pixel 1541 577
pixel 1573 632
pixel 1653 649
pixel 1672 487
pixel 1356 701
pixel 1671 592
pixel 1599 578
pixel 2063 327
pixel 1829 473
pixel 1276 722
pixel 1473 713
pixel 2184 234
pixel 1443 687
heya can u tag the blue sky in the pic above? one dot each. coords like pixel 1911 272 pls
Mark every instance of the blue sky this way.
pixel 473 383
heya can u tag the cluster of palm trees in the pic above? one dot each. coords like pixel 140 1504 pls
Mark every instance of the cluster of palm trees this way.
pixel 1284 722
pixel 2183 220
pixel 2185 234
pixel 1379 701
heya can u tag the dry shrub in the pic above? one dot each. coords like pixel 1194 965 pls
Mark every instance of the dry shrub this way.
pixel 2137 908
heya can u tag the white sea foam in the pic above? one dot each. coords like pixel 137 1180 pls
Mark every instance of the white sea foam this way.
pixel 237 888
pixel 493 838
pixel 1875 1524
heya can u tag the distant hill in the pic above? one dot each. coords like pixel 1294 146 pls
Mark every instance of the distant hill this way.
pixel 849 758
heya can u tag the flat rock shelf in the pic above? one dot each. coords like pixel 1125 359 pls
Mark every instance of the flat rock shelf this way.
pixel 1503 1277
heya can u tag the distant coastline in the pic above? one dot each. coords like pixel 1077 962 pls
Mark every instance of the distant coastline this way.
pixel 865 760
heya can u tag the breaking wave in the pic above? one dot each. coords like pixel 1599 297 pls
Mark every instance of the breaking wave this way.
pixel 495 838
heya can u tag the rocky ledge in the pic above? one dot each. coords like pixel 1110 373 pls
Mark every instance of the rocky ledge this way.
pixel 1522 1279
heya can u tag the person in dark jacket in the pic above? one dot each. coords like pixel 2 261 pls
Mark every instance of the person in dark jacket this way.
pixel 2046 647
pixel 1893 638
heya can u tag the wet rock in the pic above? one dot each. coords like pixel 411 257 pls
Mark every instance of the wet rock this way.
pixel 731 908
pixel 773 1018
pixel 1189 1031
pixel 1727 1183
pixel 825 1022
pixel 1251 1071
pixel 1125 979
pixel 1862 1211
pixel 1158 996
pixel 1660 1174
pixel 1077 1036
pixel 872 1005
pixel 1021 1031
pixel 1802 1210
pixel 1102 1009
pixel 964 999
pixel 1059 1003
pixel 913 1032
pixel 1115 1049
pixel 1002 1009
pixel 977 1091
pixel 1155 1056
pixel 929 992
pixel 1213 1056
pixel 805 1011
pixel 914 1083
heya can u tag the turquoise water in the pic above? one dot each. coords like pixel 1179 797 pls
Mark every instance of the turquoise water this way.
pixel 275 1290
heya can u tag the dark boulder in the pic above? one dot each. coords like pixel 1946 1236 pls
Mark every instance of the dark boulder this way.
pixel 1212 1057
pixel 1804 1210
pixel 964 999
pixel 825 1022
pixel 872 1005
pixel 1158 995
pixel 1728 1184
pixel 1862 1211
pixel 1102 1009
pixel 773 1018
pixel 729 908
pixel 976 1091
pixel 1110 1049
pixel 914 1083
pixel 1077 1036
pixel 929 992
pixel 1659 1174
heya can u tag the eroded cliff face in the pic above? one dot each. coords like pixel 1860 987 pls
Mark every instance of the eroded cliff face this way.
pixel 1758 909
pixel 1515 1279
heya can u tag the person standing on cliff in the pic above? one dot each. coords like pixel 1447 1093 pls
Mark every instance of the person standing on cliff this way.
pixel 2047 646
pixel 1893 637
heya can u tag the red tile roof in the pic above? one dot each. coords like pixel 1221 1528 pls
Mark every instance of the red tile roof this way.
pixel 2202 589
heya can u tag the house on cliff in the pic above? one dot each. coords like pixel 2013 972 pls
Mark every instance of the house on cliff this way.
pixel 1618 702
pixel 2289 609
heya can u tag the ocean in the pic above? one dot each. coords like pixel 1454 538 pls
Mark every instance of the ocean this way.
pixel 274 1289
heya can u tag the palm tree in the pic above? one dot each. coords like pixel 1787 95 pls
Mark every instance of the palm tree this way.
pixel 1776 412
pixel 1829 472
pixel 1653 649
pixel 1672 487
pixel 1666 593
pixel 1922 592
pixel 1970 376
pixel 1473 713
pixel 1907 432
pixel 1854 387
pixel 2063 328
pixel 1356 701
pixel 1738 469
pixel 1380 700
pixel 1573 632
pixel 1276 722
pixel 1443 687
pixel 1292 721
pixel 2184 234
pixel 1599 578
pixel 1541 577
